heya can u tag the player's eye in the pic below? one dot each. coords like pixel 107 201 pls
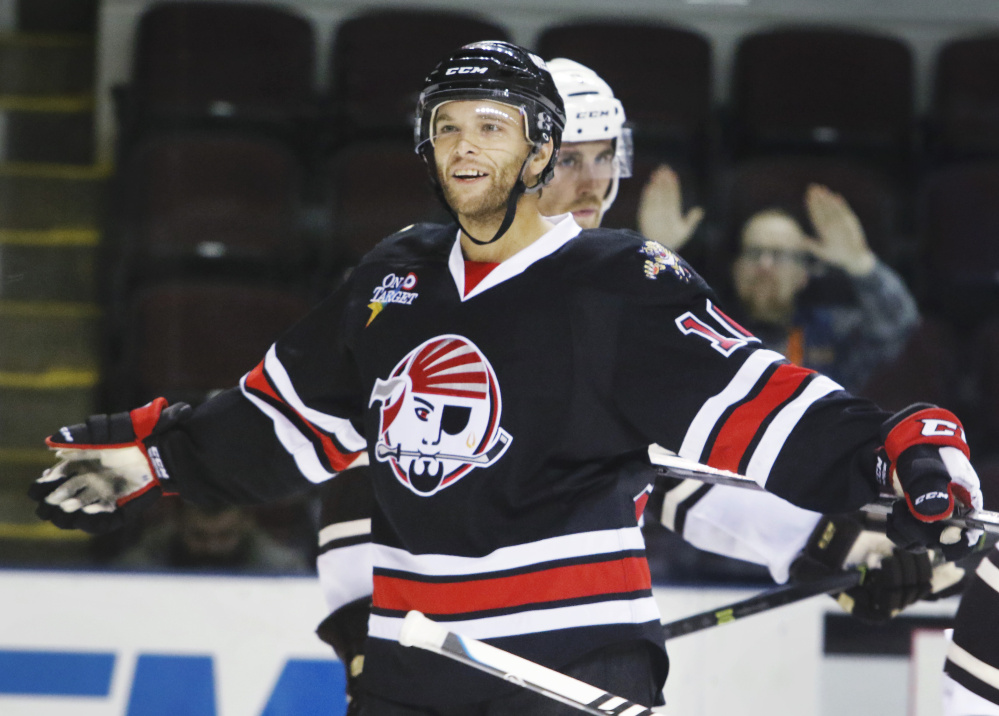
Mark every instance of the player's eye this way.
pixel 568 162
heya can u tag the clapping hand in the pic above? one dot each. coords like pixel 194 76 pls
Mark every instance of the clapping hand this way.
pixel 840 239
pixel 660 210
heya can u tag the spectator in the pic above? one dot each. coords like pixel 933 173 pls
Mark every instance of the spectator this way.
pixel 774 281
pixel 223 538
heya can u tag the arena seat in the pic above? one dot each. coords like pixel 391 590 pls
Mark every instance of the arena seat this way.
pixel 194 199
pixel 958 222
pixel 220 62
pixel 927 370
pixel 661 74
pixel 379 59
pixel 821 90
pixel 964 111
pixel 377 188
pixel 187 339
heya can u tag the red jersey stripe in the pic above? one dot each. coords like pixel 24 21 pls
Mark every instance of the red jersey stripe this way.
pixel 339 460
pixel 742 425
pixel 630 574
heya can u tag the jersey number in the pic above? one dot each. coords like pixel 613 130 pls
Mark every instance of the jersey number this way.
pixel 726 340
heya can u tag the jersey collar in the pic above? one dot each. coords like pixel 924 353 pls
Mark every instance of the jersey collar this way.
pixel 565 229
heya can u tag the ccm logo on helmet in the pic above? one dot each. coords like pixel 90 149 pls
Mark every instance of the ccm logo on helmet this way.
pixel 593 113
pixel 467 71
pixel 933 427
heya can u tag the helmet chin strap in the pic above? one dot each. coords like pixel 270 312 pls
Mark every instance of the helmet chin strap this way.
pixel 519 188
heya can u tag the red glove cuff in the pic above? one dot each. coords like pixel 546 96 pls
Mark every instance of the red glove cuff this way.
pixel 929 426
pixel 144 419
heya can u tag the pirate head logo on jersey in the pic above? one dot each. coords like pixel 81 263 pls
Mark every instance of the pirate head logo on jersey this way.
pixel 440 414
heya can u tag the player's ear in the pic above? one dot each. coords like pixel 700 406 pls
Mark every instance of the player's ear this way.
pixel 540 160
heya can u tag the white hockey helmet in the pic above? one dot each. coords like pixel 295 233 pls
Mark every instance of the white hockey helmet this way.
pixel 593 114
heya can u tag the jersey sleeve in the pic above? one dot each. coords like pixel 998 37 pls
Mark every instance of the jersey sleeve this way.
pixel 293 422
pixel 688 377
pixel 756 527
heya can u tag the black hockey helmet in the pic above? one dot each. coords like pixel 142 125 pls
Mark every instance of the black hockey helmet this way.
pixel 501 72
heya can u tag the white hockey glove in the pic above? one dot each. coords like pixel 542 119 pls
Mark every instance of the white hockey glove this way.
pixel 105 474
pixel 926 460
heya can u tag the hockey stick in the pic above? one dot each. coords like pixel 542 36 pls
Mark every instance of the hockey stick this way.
pixel 770 599
pixel 670 464
pixel 421 632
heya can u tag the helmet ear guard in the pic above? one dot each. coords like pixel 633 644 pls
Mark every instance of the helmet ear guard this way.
pixel 499 72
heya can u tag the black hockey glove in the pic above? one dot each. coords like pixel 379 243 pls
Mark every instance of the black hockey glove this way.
pixel 893 578
pixel 346 630
pixel 105 474
pixel 925 459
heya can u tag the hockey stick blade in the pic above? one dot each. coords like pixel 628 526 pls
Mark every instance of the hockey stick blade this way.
pixel 424 633
pixel 765 601
pixel 669 464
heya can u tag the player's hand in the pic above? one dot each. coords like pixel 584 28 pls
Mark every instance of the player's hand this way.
pixel 893 578
pixel 840 239
pixel 925 460
pixel 660 211
pixel 104 473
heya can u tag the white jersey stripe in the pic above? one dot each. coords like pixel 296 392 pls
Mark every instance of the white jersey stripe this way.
pixel 621 611
pixel 302 450
pixel 339 427
pixel 738 388
pixel 340 530
pixel 673 500
pixel 989 574
pixel 345 574
pixel 780 428
pixel 973 665
pixel 583 544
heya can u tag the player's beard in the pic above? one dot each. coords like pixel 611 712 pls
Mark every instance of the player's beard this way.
pixel 483 206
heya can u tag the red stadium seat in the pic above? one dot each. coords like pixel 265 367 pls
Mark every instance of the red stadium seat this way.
pixel 823 89
pixel 380 58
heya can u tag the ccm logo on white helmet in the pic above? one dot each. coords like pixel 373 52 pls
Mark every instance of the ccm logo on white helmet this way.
pixel 467 71
pixel 592 114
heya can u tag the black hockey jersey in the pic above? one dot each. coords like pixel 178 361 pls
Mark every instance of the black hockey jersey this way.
pixel 501 424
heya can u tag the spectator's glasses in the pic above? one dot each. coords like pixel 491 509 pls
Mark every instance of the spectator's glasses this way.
pixel 758 254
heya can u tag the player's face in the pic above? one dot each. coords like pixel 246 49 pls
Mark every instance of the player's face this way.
pixel 583 175
pixel 480 147
pixel 772 266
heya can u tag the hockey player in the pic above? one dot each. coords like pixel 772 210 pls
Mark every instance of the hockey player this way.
pixel 971 678
pixel 500 375
pixel 756 527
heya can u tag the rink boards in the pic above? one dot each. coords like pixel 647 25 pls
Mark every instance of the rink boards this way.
pixel 98 644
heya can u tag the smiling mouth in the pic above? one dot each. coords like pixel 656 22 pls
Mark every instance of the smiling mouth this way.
pixel 468 175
